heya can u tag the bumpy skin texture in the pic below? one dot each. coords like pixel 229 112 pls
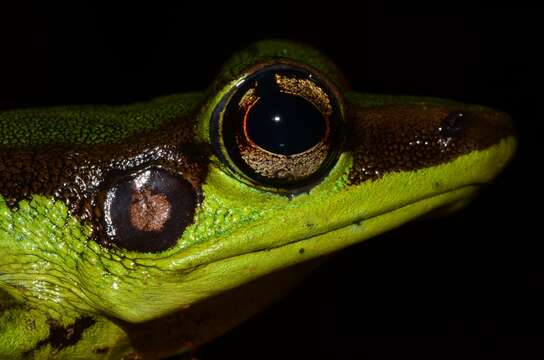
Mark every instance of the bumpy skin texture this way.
pixel 67 292
pixel 90 124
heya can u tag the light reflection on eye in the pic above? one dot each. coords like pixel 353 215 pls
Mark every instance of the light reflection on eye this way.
pixel 142 179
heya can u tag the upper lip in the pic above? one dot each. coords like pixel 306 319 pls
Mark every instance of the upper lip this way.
pixel 318 232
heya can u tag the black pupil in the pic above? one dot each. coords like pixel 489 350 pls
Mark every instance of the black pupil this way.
pixel 285 124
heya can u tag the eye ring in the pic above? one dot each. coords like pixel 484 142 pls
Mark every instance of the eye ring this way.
pixel 280 127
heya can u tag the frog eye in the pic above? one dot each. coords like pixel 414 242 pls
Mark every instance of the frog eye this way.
pixel 279 126
pixel 148 210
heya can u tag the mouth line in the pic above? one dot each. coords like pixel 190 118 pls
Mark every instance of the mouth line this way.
pixel 359 222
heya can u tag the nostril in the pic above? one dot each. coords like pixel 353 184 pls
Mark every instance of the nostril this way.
pixel 454 122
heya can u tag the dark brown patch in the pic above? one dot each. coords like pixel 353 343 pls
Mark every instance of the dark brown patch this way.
pixel 78 174
pixel 6 301
pixel 102 350
pixel 409 137
pixel 61 337
pixel 133 356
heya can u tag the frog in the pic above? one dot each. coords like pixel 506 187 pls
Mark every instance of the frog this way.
pixel 144 231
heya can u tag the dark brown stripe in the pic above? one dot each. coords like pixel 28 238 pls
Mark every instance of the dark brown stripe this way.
pixel 61 337
pixel 78 174
pixel 409 137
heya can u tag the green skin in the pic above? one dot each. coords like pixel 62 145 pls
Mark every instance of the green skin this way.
pixel 62 295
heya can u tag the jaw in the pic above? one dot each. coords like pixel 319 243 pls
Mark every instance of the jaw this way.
pixel 316 224
pixel 333 215
pixel 270 273
pixel 335 204
pixel 258 263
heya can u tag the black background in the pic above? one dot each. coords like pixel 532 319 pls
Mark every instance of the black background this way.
pixel 470 284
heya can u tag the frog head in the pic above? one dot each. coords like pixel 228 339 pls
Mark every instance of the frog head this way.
pixel 135 213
